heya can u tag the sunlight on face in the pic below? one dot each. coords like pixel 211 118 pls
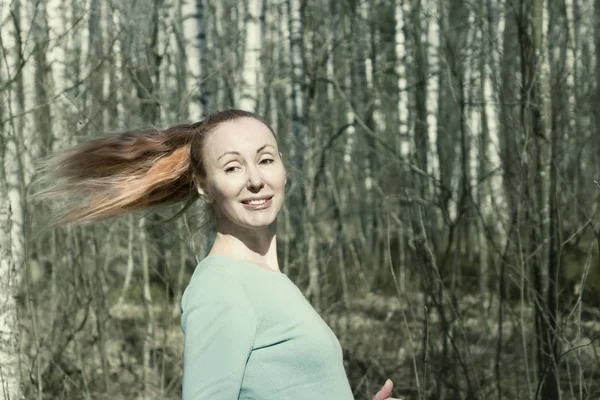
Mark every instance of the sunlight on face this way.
pixel 245 174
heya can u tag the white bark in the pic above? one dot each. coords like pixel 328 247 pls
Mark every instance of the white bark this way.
pixel 149 339
pixel 11 204
pixel 12 166
pixel 10 271
pixel 431 19
pixel 14 133
pixel 330 70
pixel 251 70
pixel 95 62
pixel 271 36
pixel 218 17
pixel 482 171
pixel 283 48
pixel 399 16
pixel 295 27
pixel 402 144
pixel 297 76
pixel 130 261
pixel 112 94
pixel 191 13
pixel 58 24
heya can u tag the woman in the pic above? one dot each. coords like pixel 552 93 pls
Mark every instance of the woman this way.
pixel 249 331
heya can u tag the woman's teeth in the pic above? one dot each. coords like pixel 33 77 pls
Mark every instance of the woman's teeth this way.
pixel 256 202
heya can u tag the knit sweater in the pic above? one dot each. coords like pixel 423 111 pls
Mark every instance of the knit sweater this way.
pixel 251 334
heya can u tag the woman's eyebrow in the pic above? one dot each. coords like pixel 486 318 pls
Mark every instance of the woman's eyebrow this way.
pixel 228 152
pixel 263 147
pixel 237 153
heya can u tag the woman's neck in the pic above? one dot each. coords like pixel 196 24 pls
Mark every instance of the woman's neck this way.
pixel 252 246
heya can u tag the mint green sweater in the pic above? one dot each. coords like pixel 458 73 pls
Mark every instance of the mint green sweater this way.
pixel 251 334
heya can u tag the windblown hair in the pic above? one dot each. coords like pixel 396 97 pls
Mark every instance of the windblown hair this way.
pixel 131 171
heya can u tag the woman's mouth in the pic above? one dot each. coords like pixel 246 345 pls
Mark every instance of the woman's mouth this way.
pixel 257 204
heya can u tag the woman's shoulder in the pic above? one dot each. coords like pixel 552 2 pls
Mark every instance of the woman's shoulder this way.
pixel 213 290
pixel 214 278
pixel 213 267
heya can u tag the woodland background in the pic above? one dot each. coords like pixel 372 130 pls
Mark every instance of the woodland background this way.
pixel 443 158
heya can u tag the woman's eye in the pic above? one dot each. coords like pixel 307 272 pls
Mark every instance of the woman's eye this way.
pixel 267 161
pixel 230 169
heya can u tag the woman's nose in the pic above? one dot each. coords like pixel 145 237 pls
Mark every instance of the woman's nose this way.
pixel 254 178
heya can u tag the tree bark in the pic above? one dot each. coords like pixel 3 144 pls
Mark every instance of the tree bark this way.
pixel 533 116
pixel 483 188
pixel 597 76
pixel 252 50
pixel 299 130
pixel 421 131
pixel 94 106
pixel 195 53
pixel 10 382
pixel 12 210
pixel 149 377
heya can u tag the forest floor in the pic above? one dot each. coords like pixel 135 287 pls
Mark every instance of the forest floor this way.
pixel 460 355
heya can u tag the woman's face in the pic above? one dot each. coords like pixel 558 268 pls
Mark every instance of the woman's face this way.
pixel 245 176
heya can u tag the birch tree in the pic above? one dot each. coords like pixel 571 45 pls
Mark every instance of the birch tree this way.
pixel 10 382
pixel 483 159
pixel 597 78
pixel 297 74
pixel 195 55
pixel 249 99
pixel 94 105
pixel 418 27
pixel 534 114
pixel 11 239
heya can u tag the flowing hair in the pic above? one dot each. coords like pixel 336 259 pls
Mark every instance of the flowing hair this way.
pixel 131 171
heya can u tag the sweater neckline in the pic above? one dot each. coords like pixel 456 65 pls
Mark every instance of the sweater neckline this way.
pixel 251 264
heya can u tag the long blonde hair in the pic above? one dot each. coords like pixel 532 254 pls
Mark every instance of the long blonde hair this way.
pixel 131 171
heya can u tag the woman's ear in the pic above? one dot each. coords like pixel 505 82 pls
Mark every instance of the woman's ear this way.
pixel 203 194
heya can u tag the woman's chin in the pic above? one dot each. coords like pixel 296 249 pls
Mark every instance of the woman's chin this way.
pixel 251 224
pixel 259 226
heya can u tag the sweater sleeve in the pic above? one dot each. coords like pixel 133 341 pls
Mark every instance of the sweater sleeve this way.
pixel 219 326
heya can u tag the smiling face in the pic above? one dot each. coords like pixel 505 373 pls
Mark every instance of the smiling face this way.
pixel 245 176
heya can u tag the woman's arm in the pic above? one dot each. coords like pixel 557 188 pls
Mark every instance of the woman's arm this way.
pixel 219 326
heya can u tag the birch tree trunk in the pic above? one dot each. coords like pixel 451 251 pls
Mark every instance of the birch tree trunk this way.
pixel 534 113
pixel 196 56
pixel 130 260
pixel 300 143
pixel 144 70
pixel 364 100
pixel 17 108
pixel 483 188
pixel 114 58
pixel 251 67
pixel 149 377
pixel 560 97
pixel 447 129
pixel 11 206
pixel 509 143
pixel 10 383
pixel 96 65
pixel 421 131
pixel 402 105
pixel 459 15
pixel 12 212
pixel 297 150
pixel 14 134
pixel 597 79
